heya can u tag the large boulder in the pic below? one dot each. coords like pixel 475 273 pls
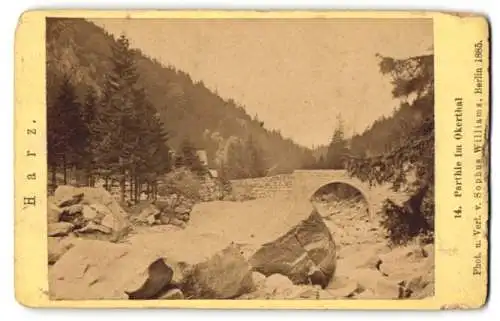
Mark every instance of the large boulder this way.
pixel 278 235
pixel 225 275
pixel 87 207
pixel 306 253
pixel 102 270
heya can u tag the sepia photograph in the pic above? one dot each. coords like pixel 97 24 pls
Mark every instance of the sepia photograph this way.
pixel 242 159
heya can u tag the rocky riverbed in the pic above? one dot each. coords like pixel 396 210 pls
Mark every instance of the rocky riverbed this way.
pixel 272 248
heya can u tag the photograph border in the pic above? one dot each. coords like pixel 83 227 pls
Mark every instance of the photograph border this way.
pixel 454 248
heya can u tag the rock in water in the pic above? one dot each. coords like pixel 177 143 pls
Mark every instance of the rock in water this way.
pixel 306 247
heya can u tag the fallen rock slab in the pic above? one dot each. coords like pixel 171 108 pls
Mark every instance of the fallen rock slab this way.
pixel 92 227
pixel 83 272
pixel 305 251
pixel 59 229
pixel 58 246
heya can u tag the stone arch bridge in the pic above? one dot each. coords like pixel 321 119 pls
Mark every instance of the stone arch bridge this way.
pixel 306 182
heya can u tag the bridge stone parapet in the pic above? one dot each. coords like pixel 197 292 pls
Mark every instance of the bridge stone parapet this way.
pixel 263 187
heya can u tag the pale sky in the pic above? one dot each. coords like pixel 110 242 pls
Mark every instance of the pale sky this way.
pixel 296 75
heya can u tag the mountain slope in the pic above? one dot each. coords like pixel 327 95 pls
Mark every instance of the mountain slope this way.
pixel 188 109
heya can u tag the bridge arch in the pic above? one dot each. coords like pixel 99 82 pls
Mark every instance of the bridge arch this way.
pixel 308 182
pixel 339 183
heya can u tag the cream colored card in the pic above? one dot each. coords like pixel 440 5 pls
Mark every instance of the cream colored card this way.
pixel 243 159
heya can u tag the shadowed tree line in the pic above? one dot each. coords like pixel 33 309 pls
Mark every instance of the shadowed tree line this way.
pixel 115 134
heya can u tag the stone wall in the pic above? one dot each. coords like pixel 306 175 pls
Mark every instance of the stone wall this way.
pixel 211 189
pixel 262 187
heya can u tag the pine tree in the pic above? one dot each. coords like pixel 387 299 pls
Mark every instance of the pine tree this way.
pixel 337 150
pixel 189 156
pixel 236 164
pixel 117 124
pixel 153 153
pixel 321 162
pixel 89 117
pixel 255 160
pixel 66 130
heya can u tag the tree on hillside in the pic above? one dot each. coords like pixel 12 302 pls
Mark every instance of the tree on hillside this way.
pixel 66 131
pixel 321 162
pixel 151 158
pixel 116 117
pixel 255 162
pixel 245 159
pixel 413 152
pixel 189 156
pixel 132 141
pixel 236 164
pixel 338 147
pixel 89 113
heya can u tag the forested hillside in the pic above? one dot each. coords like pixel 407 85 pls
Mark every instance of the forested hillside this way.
pixel 387 132
pixel 80 59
